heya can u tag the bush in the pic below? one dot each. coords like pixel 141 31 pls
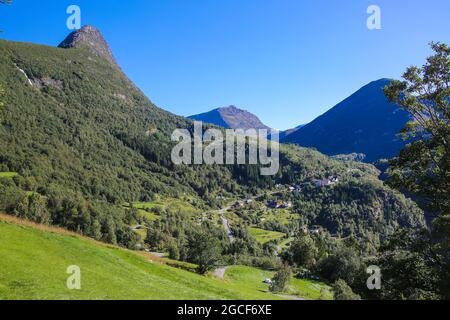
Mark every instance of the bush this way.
pixel 281 279
pixel 204 250
pixel 342 291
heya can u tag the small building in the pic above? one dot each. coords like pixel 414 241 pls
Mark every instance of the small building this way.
pixel 326 182
pixel 322 182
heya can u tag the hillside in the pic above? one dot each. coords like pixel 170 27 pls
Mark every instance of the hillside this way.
pixel 35 259
pixel 78 140
pixel 231 117
pixel 363 123
pixel 284 134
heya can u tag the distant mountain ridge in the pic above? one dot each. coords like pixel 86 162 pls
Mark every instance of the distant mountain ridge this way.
pixel 231 118
pixel 285 133
pixel 366 122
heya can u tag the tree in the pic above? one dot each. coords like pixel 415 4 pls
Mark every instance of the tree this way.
pixel 33 208
pixel 96 230
pixel 110 234
pixel 281 279
pixel 408 274
pixel 303 251
pixel 422 167
pixel 342 291
pixel 204 250
pixel 346 264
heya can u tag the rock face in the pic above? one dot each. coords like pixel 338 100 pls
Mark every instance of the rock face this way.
pixel 231 118
pixel 89 37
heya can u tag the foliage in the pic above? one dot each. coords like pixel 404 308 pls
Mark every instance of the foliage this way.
pixel 303 251
pixel 204 250
pixel 417 264
pixel 346 264
pixel 342 291
pixel 187 240
pixel 423 167
pixel 281 279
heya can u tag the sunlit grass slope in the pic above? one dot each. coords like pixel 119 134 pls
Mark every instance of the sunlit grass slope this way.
pixel 33 265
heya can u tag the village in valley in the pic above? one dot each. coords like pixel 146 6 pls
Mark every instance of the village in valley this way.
pixel 271 217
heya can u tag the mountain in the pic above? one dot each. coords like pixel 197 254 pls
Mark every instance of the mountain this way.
pixel 366 122
pixel 231 118
pixel 89 37
pixel 284 134
pixel 78 141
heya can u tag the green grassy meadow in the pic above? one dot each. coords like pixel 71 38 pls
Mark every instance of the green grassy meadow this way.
pixel 264 236
pixel 34 263
pixel 8 175
pixel 250 277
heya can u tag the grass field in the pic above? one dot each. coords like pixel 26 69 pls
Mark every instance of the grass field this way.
pixel 34 260
pixel 174 204
pixel 149 215
pixel 310 289
pixel 254 278
pixel 264 236
pixel 282 216
pixel 8 175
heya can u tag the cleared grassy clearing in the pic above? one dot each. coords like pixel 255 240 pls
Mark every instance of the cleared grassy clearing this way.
pixel 8 175
pixel 264 236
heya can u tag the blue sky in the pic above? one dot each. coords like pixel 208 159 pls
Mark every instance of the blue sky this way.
pixel 288 61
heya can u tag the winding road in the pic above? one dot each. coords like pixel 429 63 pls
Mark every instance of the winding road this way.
pixel 225 222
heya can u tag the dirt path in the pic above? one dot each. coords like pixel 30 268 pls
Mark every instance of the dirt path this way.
pixel 289 297
pixel 225 223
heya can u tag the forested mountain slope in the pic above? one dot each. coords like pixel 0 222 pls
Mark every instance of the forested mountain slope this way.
pixel 81 140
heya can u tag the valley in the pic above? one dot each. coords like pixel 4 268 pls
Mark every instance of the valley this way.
pixel 87 180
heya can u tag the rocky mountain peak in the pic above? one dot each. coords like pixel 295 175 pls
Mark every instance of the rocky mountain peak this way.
pixel 91 38
pixel 231 117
